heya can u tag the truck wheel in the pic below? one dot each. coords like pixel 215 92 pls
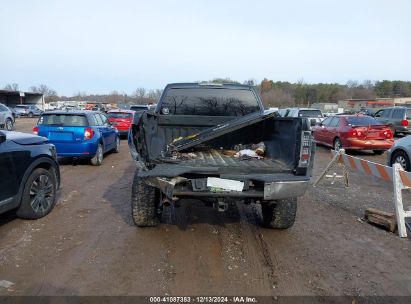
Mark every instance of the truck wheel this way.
pixel 144 203
pixel 39 194
pixel 279 214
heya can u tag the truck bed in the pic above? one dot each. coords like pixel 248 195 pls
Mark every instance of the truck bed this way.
pixel 214 162
pixel 215 158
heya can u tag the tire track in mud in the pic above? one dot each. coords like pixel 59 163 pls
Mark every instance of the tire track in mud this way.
pixel 250 221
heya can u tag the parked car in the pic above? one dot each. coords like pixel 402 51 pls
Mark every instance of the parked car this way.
pixel 314 115
pixel 139 108
pixel 79 134
pixel 121 120
pixel 99 107
pixel 400 153
pixel 353 132
pixel 6 118
pixel 27 110
pixel 398 119
pixel 29 174
pixel 13 112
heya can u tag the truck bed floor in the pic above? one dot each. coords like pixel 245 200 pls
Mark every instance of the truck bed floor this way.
pixel 218 159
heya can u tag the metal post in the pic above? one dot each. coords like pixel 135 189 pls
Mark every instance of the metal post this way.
pixel 399 208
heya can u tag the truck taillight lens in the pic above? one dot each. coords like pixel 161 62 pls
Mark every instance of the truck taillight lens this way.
pixel 305 149
pixel 404 123
pixel 88 133
pixel 36 130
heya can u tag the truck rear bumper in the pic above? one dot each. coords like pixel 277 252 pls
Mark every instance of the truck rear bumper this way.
pixel 271 191
pixel 281 190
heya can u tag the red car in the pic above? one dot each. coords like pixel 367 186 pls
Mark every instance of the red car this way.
pixel 354 132
pixel 121 120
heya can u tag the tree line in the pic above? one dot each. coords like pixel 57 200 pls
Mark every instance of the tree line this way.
pixel 281 94
pixel 273 93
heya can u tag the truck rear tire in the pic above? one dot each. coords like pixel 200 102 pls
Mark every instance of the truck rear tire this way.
pixel 144 203
pixel 279 214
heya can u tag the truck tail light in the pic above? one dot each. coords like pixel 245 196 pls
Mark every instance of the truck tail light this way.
pixel 404 123
pixel 305 149
pixel 36 130
pixel 88 133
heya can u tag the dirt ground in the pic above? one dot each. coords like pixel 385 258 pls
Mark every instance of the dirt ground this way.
pixel 88 244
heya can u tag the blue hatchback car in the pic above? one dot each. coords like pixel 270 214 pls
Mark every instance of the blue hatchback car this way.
pixel 82 134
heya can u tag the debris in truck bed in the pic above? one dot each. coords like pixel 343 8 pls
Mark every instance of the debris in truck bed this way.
pixel 229 152
pixel 246 154
pixel 259 148
pixel 183 156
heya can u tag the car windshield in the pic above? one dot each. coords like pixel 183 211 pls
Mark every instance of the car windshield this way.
pixel 119 115
pixel 310 113
pixel 210 102
pixel 22 106
pixel 63 120
pixel 362 121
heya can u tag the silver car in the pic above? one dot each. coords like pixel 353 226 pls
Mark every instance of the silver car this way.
pixel 6 118
pixel 27 110
pixel 400 153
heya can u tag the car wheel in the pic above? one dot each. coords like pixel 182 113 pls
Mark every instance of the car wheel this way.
pixel 30 115
pixel 337 144
pixel 392 129
pixel 117 147
pixel 97 160
pixel 39 194
pixel 279 214
pixel 145 201
pixel 401 158
pixel 9 124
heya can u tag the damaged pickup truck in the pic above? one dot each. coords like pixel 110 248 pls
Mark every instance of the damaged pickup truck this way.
pixel 217 144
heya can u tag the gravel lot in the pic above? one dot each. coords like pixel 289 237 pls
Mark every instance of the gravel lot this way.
pixel 88 244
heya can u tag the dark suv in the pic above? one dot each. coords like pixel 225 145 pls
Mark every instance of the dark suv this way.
pixel 398 118
pixel 29 174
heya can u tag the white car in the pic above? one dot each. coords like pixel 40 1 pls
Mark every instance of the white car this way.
pixel 315 116
pixel 6 118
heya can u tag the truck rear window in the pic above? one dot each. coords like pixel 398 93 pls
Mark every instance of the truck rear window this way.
pixel 63 120
pixel 209 102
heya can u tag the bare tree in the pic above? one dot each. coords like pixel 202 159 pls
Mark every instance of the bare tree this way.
pixel 49 93
pixel 11 87
pixel 43 89
pixel 140 93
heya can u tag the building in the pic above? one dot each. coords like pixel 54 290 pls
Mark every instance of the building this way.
pixel 348 104
pixel 326 107
pixel 13 98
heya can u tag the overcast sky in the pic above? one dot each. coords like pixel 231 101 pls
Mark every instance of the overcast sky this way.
pixel 100 46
